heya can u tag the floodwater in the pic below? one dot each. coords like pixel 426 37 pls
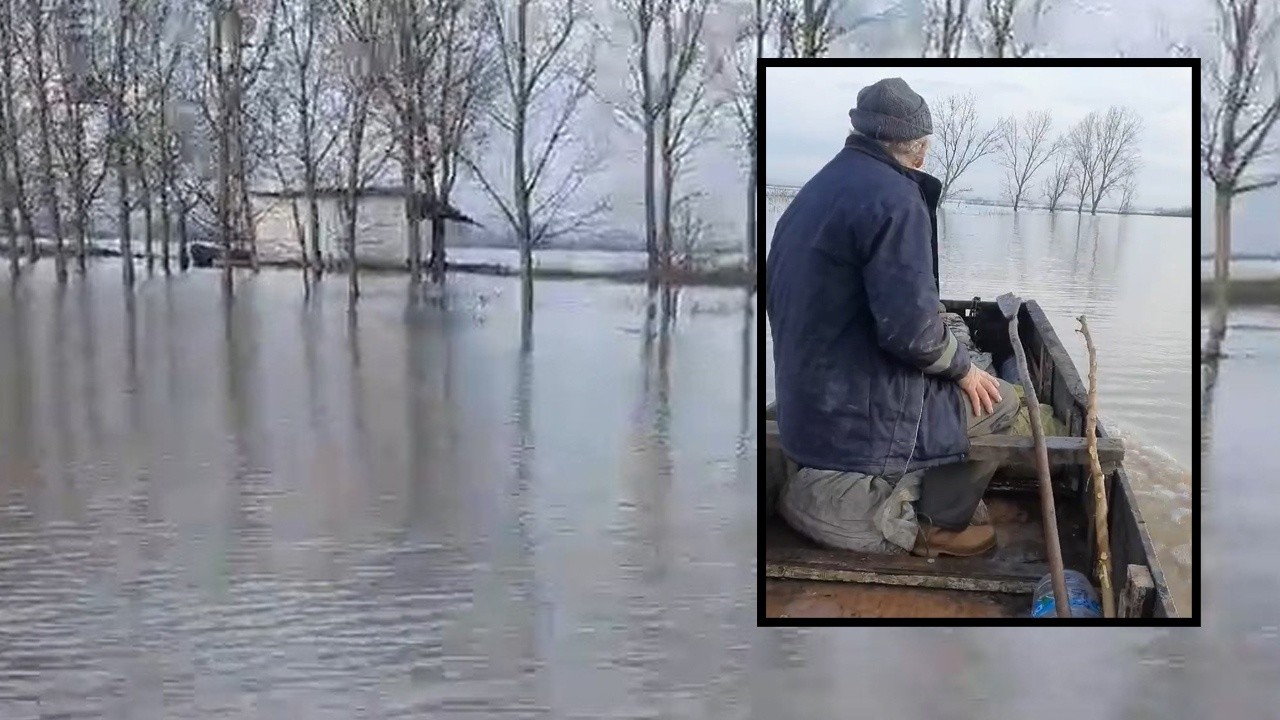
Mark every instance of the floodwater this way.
pixel 270 508
pixel 1131 277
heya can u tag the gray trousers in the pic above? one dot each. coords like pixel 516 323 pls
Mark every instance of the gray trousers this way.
pixel 950 493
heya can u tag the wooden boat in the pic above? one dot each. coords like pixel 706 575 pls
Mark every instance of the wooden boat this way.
pixel 805 580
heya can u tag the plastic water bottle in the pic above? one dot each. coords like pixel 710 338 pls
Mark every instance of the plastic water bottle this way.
pixel 1080 594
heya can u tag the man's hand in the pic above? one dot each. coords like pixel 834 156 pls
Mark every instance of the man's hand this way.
pixel 982 389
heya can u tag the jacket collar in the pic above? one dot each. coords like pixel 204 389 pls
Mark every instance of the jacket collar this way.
pixel 930 186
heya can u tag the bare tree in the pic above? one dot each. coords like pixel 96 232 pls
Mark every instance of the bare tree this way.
pixel 642 14
pixel 466 81
pixel 674 113
pixel 123 36
pixel 1117 148
pixel 809 28
pixel 77 98
pixel 545 73
pixel 37 22
pixel 748 48
pixel 1023 148
pixel 226 42
pixel 996 28
pixel 959 142
pixel 1239 109
pixel 145 56
pixel 17 130
pixel 258 39
pixel 416 43
pixel 167 54
pixel 363 36
pixel 686 116
pixel 1126 193
pixel 1055 183
pixel 306 56
pixel 1081 147
pixel 945 22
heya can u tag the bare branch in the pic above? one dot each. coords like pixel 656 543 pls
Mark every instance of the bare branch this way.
pixel 945 22
pixel 1022 149
pixel 959 141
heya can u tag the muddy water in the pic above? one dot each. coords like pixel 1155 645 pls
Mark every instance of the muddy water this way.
pixel 271 508
pixel 1131 277
pixel 267 510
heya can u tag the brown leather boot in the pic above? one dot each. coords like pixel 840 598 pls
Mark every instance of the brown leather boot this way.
pixel 934 541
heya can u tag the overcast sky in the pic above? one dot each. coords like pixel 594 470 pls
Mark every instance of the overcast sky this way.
pixel 806 116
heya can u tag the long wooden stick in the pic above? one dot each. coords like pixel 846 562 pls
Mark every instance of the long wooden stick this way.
pixel 1099 486
pixel 1009 305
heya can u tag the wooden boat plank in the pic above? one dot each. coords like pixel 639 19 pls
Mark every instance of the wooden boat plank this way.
pixel 815 599
pixel 1015 566
pixel 1019 451
pixel 1138 593
pixel 843 572
pixel 980 574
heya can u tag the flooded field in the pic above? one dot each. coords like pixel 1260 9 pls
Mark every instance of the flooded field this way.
pixel 1131 276
pixel 269 508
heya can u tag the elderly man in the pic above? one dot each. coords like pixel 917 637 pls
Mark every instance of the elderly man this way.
pixel 876 398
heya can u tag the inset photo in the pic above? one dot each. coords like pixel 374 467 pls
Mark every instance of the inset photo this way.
pixel 978 289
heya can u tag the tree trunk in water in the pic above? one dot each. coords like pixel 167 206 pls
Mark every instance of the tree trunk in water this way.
pixel 166 220
pixel 309 163
pixel 408 149
pixel 353 282
pixel 1222 246
pixel 751 220
pixel 313 220
pixel 224 149
pixel 520 191
pixel 122 210
pixel 355 140
pixel 250 227
pixel 650 200
pixel 122 171
pixel 78 189
pixel 6 211
pixel 437 248
pixel 184 260
pixel 144 196
pixel 244 223
pixel 23 202
pixel 412 203
pixel 14 196
pixel 46 150
pixel 300 233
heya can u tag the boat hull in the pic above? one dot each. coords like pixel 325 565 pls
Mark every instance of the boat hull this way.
pixel 805 580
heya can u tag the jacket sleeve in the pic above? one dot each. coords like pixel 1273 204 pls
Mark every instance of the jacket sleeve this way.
pixel 904 298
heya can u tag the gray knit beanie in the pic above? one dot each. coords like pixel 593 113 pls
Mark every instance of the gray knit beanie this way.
pixel 890 110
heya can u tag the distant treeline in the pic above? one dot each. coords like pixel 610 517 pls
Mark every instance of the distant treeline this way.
pixel 1168 212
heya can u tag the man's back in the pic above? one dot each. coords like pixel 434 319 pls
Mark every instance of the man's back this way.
pixel 852 303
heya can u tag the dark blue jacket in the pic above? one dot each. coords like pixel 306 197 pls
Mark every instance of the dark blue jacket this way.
pixel 864 367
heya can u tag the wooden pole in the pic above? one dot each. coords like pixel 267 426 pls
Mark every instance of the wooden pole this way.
pixel 1009 306
pixel 1099 486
